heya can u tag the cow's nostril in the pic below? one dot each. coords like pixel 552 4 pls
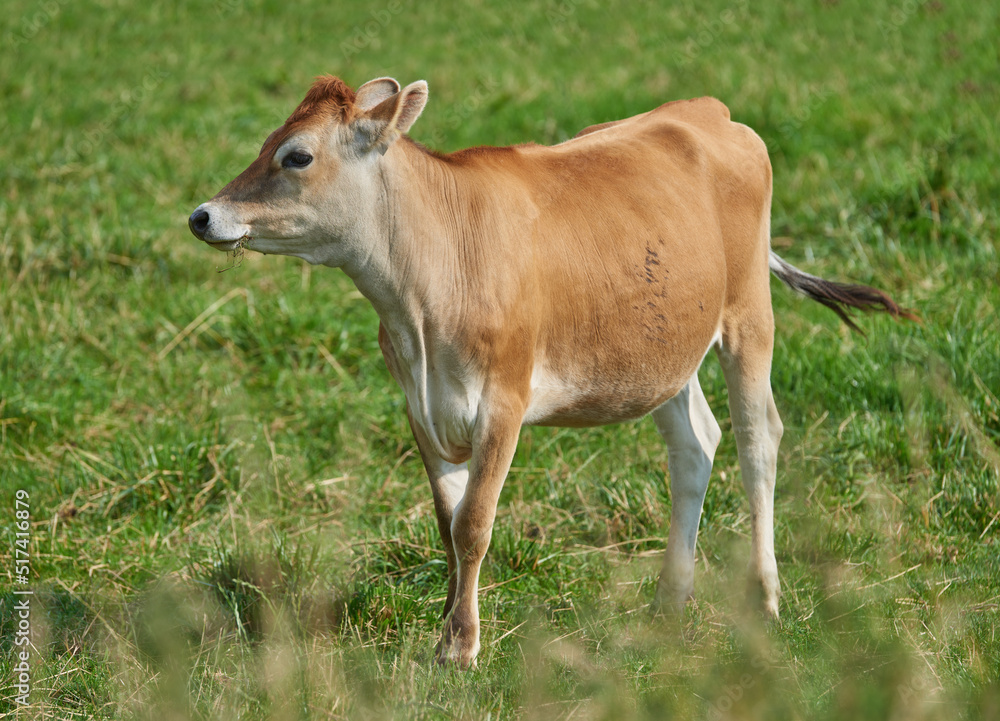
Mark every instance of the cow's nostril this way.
pixel 198 222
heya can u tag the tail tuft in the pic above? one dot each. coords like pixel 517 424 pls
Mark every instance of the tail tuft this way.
pixel 839 297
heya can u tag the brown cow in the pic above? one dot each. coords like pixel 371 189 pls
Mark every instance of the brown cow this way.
pixel 573 285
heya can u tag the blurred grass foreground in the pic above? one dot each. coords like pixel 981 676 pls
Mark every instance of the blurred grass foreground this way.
pixel 228 515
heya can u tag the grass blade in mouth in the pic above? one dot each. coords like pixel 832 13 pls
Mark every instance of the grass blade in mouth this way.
pixel 238 254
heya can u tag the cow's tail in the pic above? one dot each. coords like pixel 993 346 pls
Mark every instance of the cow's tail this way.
pixel 839 297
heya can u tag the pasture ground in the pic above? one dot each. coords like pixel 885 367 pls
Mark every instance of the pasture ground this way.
pixel 228 515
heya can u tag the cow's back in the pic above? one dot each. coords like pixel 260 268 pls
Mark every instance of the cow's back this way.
pixel 638 226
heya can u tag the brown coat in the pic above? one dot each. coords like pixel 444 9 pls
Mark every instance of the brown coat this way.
pixel 573 285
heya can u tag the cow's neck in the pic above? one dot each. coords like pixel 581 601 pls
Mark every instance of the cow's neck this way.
pixel 414 273
pixel 411 262
pixel 411 267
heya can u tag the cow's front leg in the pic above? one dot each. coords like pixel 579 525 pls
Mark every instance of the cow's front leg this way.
pixel 471 529
pixel 448 482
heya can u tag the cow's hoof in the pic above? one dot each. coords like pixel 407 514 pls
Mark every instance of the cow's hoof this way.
pixel 670 602
pixel 453 656
pixel 763 597
pixel 458 646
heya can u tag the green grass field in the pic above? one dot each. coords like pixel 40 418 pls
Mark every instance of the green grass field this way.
pixel 229 518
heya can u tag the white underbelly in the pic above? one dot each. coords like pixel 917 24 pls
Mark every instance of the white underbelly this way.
pixel 570 397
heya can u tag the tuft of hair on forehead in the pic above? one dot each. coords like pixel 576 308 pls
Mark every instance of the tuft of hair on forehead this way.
pixel 328 95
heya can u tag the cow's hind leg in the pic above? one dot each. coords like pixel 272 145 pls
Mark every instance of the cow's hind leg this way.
pixel 692 435
pixel 745 356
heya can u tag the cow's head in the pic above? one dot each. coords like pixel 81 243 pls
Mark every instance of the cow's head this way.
pixel 313 189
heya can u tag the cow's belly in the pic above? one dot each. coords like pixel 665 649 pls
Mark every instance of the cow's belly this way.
pixel 575 407
pixel 561 402
pixel 592 393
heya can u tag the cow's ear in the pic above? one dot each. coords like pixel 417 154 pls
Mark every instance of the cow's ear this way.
pixel 374 92
pixel 379 127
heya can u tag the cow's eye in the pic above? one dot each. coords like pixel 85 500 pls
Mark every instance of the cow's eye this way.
pixel 296 160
